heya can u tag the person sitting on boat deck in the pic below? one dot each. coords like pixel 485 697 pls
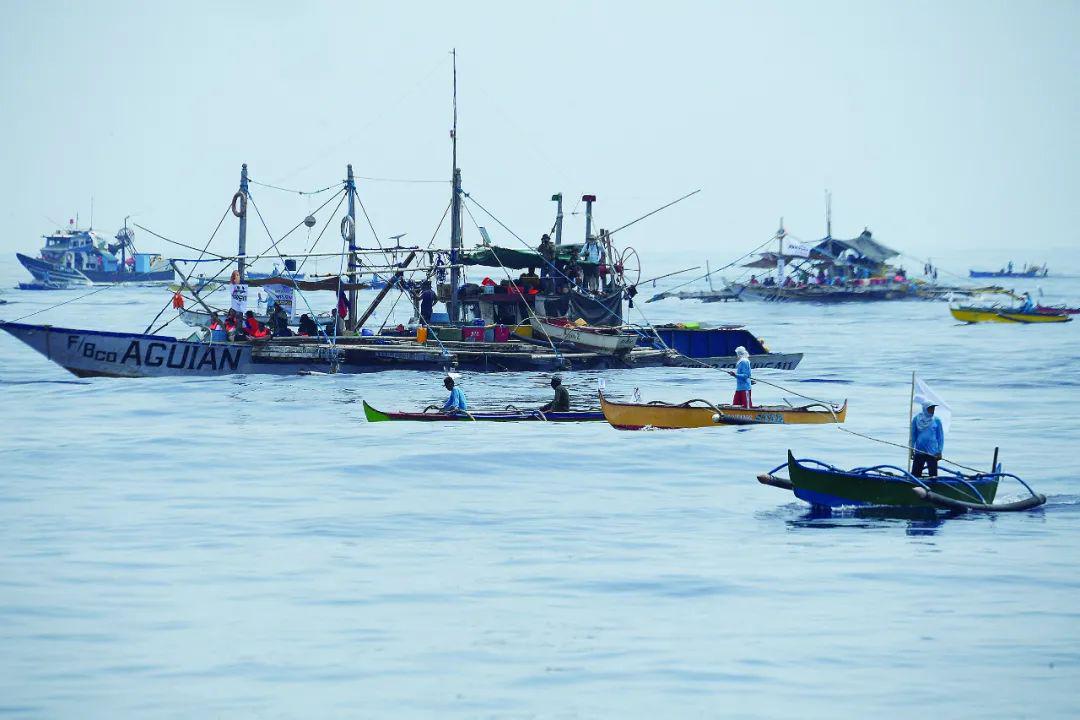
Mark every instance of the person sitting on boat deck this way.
pixel 251 325
pixel 279 321
pixel 561 401
pixel 927 441
pixel 307 327
pixel 753 280
pixel 1029 304
pixel 232 324
pixel 529 280
pixel 336 325
pixel 456 402
pixel 742 378
pixel 215 322
pixel 547 252
pixel 427 302
pixel 591 256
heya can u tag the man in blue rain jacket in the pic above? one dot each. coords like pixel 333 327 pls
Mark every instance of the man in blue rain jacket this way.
pixel 927 440
pixel 455 404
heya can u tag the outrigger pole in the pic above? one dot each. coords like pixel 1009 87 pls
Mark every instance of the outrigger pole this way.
pixel 455 213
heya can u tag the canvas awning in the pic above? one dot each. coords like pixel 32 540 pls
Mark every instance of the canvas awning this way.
pixel 864 245
pixel 514 259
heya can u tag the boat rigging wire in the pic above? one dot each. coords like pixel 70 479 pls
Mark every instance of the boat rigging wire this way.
pixel 509 277
pixel 298 192
pixel 662 207
pixel 61 304
pixel 323 231
pixel 713 272
pixel 282 257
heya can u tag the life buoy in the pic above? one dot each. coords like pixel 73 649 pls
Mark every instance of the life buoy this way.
pixel 239 204
pixel 348 230
pixel 177 301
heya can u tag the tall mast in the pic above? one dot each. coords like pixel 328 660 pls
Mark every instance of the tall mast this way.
pixel 241 250
pixel 828 214
pixel 350 188
pixel 558 219
pixel 780 257
pixel 455 212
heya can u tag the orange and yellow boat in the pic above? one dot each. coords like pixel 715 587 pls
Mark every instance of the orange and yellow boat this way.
pixel 969 314
pixel 702 413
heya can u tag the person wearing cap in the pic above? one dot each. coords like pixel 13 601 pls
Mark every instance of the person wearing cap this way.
pixel 742 378
pixel 561 401
pixel 456 402
pixel 547 252
pixel 1029 304
pixel 927 441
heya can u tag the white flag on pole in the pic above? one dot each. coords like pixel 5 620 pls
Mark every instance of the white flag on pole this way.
pixel 925 394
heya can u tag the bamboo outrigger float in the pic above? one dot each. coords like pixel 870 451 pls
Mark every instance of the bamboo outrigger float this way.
pixel 702 413
pixel 825 486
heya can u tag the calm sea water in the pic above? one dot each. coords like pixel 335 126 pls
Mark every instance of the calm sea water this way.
pixel 251 547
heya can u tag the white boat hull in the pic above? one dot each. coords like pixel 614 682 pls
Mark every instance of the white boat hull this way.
pixel 597 342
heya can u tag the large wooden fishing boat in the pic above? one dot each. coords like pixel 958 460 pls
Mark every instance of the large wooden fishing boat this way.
pixel 701 413
pixel 972 314
pixel 511 414
pixel 825 486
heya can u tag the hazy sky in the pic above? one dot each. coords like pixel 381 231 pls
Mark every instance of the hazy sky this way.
pixel 950 128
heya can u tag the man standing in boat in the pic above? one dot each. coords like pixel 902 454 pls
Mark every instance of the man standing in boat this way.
pixel 927 441
pixel 561 401
pixel 591 256
pixel 742 378
pixel 547 252
pixel 427 302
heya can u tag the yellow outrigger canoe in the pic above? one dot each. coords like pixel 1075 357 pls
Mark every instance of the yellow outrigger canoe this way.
pixel 970 314
pixel 701 413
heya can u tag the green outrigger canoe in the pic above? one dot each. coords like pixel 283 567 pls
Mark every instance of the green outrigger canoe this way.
pixel 511 414
pixel 825 486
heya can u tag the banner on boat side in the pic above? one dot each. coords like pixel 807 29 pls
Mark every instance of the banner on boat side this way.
pixel 282 295
pixel 238 299
pixel 796 249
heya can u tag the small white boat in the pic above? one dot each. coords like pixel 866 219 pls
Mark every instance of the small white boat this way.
pixel 610 341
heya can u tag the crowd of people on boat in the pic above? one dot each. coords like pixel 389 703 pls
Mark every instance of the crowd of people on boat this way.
pixel 854 276
pixel 235 327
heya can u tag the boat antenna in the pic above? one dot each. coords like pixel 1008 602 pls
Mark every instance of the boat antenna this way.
pixel 91 212
pixel 455 210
